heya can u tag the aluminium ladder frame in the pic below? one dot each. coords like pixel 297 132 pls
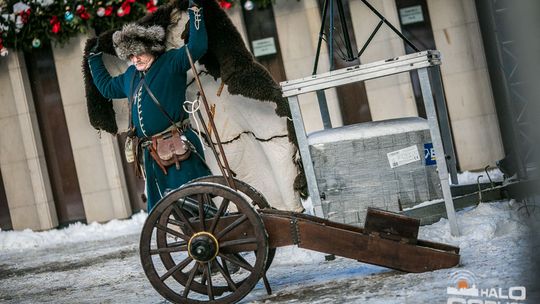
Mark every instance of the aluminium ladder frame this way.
pixel 427 64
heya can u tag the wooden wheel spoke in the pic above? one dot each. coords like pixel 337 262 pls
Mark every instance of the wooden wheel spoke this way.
pixel 175 244
pixel 238 242
pixel 225 273
pixel 234 259
pixel 169 249
pixel 176 268
pixel 203 276
pixel 177 223
pixel 239 257
pixel 187 287
pixel 233 225
pixel 209 286
pixel 202 201
pixel 170 231
pixel 180 213
pixel 222 208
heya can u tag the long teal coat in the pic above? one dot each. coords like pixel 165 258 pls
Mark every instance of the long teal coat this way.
pixel 167 81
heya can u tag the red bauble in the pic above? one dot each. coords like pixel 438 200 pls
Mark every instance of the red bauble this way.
pixel 126 7
pixel 81 11
pixel 108 10
pixel 25 15
pixel 150 6
pixel 225 5
pixel 55 25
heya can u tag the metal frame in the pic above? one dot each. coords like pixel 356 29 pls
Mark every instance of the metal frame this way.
pixel 508 74
pixel 426 62
pixel 329 4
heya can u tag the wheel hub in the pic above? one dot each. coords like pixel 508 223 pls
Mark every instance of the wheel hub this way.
pixel 203 247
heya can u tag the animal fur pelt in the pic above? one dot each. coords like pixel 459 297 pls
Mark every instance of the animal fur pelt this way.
pixel 227 58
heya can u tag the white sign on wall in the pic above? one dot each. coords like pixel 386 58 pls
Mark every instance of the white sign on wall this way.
pixel 265 46
pixel 411 14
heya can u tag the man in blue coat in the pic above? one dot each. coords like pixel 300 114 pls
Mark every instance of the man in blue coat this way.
pixel 165 74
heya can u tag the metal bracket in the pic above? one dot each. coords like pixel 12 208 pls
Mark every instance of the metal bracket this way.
pixel 361 73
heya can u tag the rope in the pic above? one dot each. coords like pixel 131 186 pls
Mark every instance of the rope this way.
pixel 191 107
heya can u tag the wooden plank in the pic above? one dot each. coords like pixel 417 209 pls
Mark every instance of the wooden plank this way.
pixel 375 250
pixel 278 229
pixel 286 228
pixel 392 225
pixel 315 219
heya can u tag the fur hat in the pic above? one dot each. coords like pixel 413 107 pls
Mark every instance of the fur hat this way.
pixel 136 39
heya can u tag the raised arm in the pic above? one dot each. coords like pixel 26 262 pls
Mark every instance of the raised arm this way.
pixel 198 41
pixel 110 87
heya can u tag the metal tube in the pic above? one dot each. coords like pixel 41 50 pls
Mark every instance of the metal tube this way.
pixel 321 97
pixel 370 38
pixel 321 33
pixel 390 25
pixel 331 35
pixel 348 46
pixel 444 122
pixel 323 108
pixel 303 146
pixel 431 114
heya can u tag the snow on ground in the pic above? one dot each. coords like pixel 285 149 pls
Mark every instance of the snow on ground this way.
pixel 77 232
pixel 87 268
pixel 467 177
pixel 493 248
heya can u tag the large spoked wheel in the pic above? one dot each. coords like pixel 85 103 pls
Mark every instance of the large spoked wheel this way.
pixel 253 196
pixel 217 253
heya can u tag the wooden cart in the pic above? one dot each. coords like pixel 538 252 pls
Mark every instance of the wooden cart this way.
pixel 213 239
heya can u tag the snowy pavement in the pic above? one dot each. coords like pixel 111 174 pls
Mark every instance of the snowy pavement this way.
pixel 100 264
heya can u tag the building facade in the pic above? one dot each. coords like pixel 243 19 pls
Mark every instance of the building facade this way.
pixel 56 169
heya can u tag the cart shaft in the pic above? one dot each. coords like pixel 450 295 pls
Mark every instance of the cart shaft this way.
pixel 309 232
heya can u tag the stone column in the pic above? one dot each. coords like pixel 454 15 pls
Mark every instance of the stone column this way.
pixel 97 156
pixel 466 80
pixel 24 169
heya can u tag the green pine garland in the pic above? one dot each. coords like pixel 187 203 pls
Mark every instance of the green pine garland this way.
pixel 27 24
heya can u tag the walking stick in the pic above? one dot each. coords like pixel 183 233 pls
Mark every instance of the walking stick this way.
pixel 222 161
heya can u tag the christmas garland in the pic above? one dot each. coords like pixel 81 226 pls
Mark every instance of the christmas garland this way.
pixel 30 24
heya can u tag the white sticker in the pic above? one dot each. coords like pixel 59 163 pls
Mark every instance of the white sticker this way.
pixel 403 156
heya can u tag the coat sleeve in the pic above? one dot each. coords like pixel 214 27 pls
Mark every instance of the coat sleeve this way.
pixel 110 87
pixel 198 42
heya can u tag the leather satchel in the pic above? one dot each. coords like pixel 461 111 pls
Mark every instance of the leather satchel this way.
pixel 169 149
